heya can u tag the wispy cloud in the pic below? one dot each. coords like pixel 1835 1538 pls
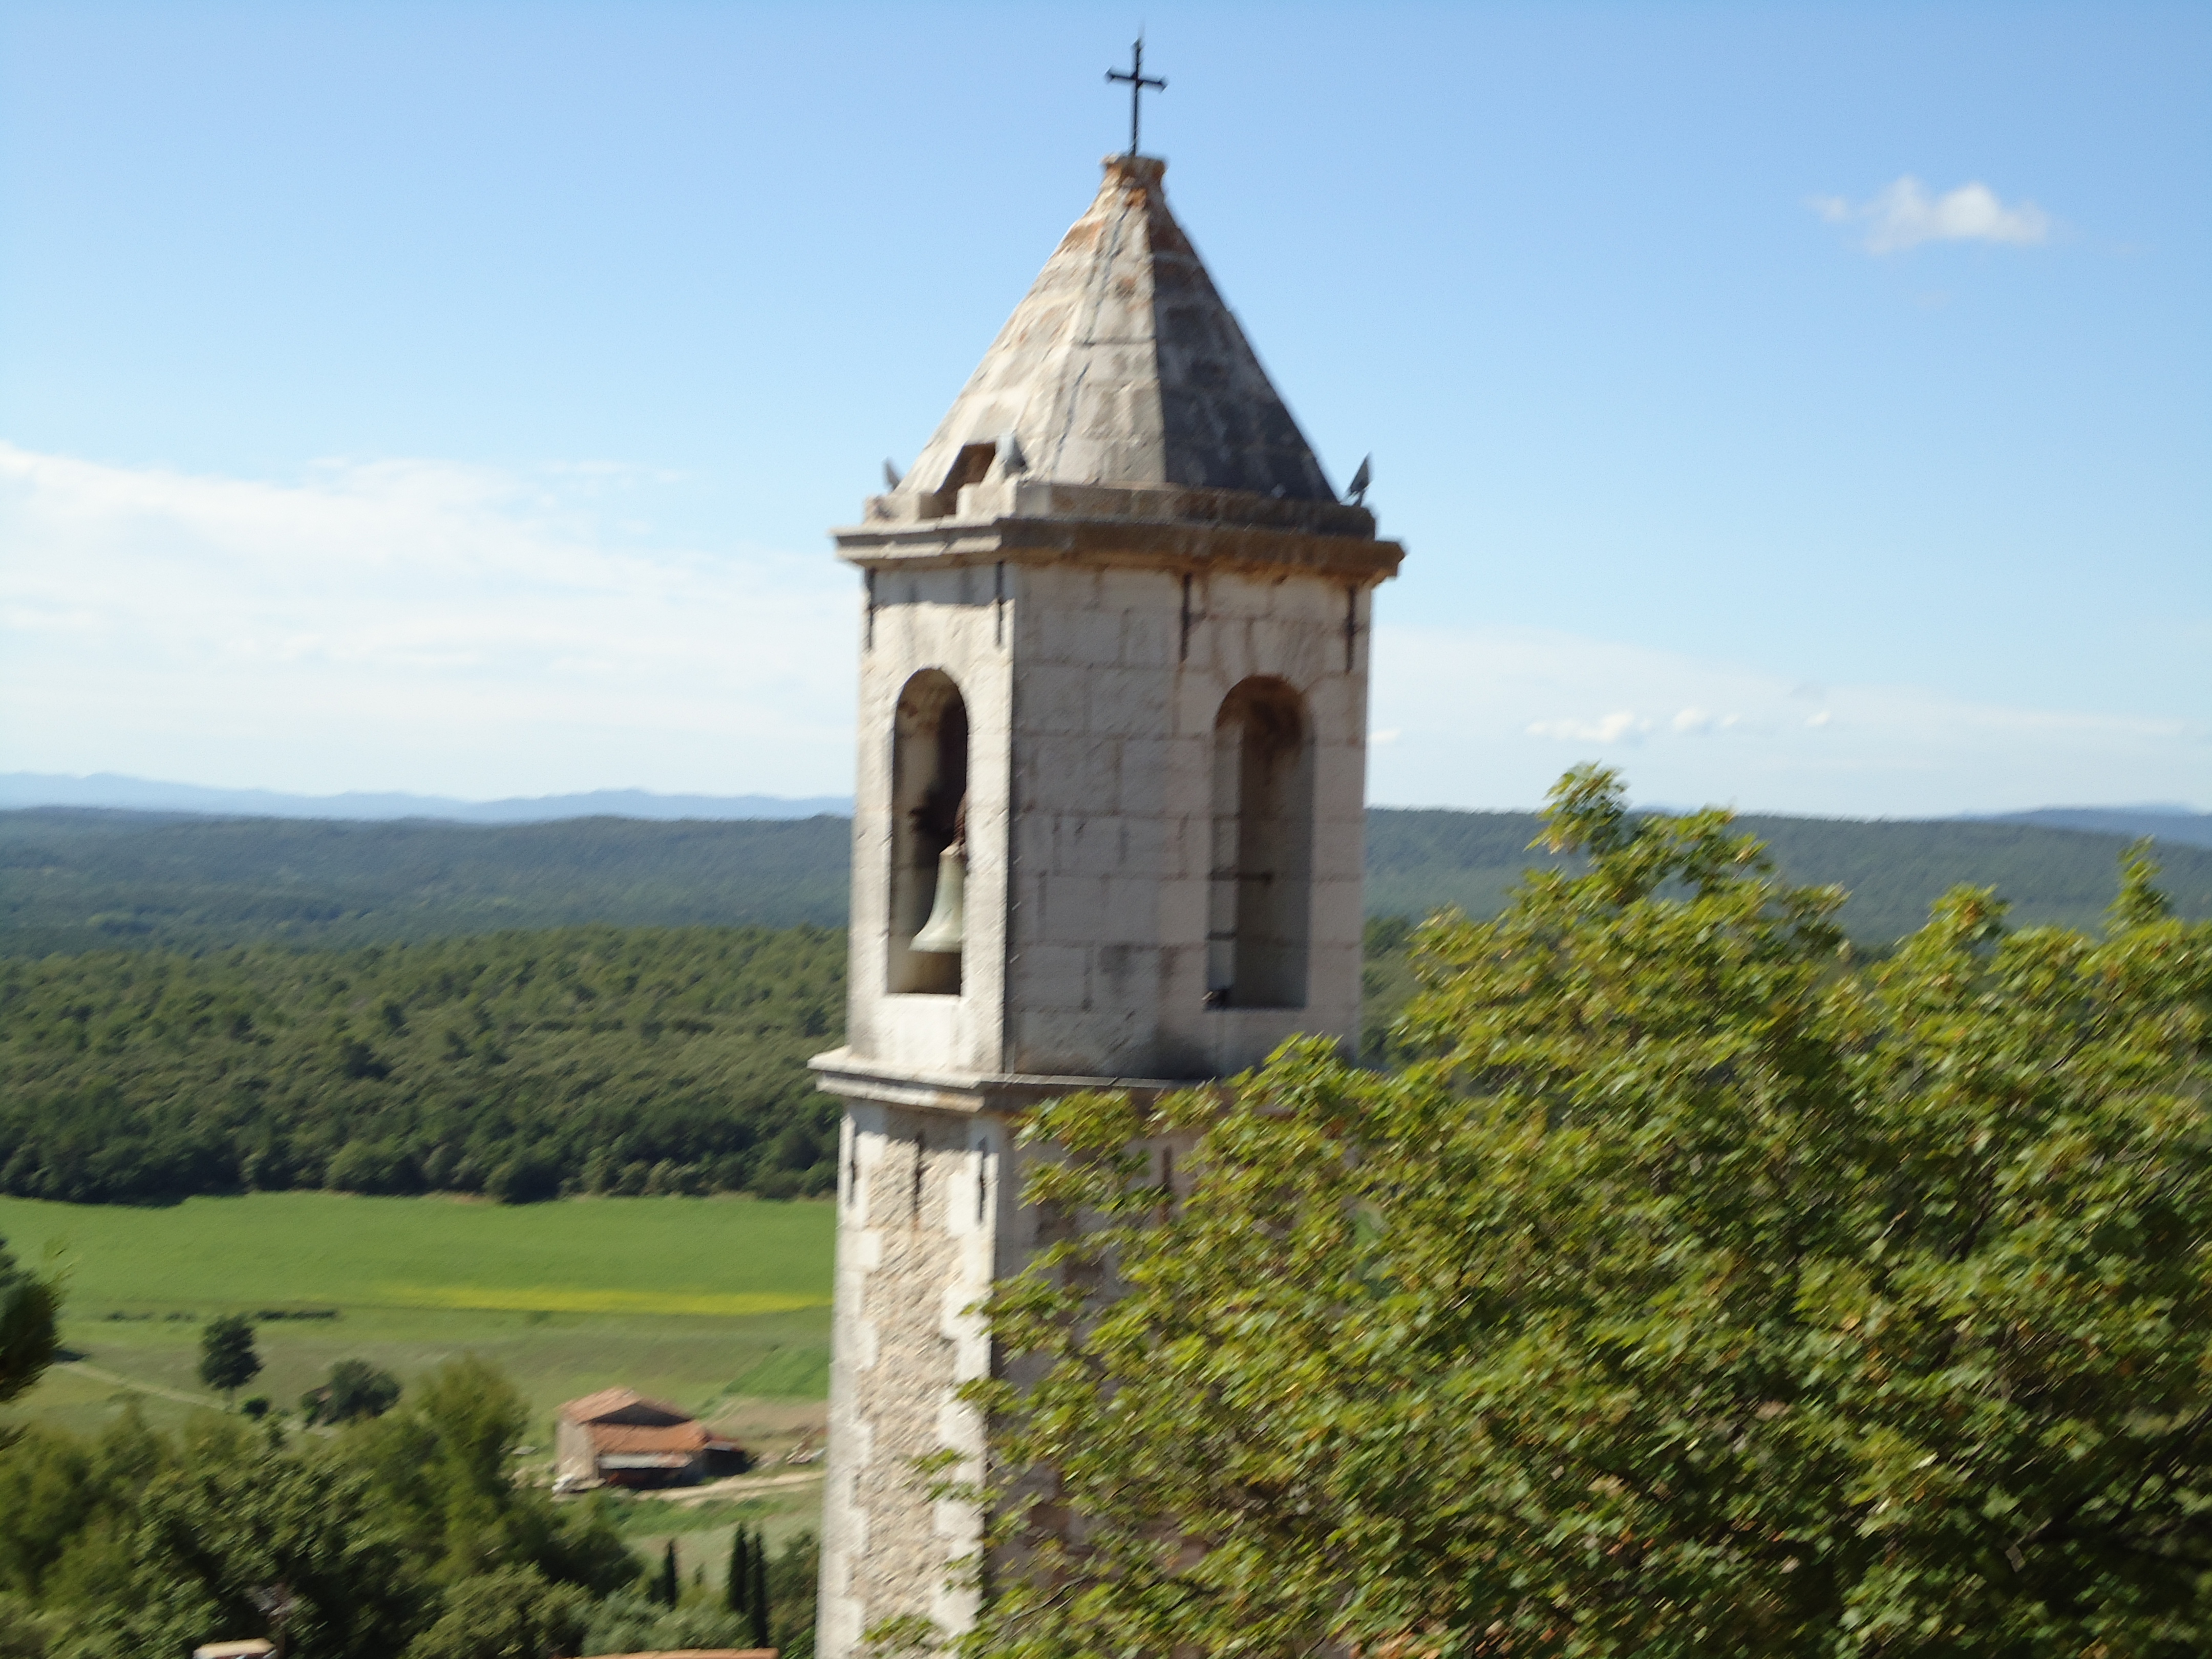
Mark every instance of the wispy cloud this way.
pixel 1622 726
pixel 1491 716
pixel 461 631
pixel 407 624
pixel 1693 720
pixel 1904 214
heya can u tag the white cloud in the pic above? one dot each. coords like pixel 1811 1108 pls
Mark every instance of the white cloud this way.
pixel 407 624
pixel 1622 726
pixel 1696 721
pixel 1482 713
pixel 461 631
pixel 1903 215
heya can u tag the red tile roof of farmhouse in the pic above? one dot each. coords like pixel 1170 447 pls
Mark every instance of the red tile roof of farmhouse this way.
pixel 621 1440
pixel 607 1402
pixel 623 1423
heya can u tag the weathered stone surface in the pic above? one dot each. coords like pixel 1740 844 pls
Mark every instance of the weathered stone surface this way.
pixel 1123 366
pixel 1156 536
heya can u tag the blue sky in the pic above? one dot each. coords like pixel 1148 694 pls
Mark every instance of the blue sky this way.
pixel 1802 407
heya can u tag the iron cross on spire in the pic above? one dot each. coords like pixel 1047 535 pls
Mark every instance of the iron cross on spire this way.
pixel 1138 81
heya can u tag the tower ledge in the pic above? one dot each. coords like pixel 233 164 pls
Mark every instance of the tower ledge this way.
pixel 1036 520
pixel 853 1077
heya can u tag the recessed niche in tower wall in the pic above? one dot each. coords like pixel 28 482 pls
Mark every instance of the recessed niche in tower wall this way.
pixel 1260 895
pixel 929 780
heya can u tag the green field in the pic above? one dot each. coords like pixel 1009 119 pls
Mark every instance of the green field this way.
pixel 720 1305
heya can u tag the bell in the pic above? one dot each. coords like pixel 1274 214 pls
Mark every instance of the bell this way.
pixel 942 934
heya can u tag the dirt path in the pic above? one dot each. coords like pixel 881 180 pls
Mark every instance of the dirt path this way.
pixel 737 1485
pixel 98 1374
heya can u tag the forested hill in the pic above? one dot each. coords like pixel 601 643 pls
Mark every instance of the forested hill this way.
pixel 635 1060
pixel 75 879
pixel 1418 860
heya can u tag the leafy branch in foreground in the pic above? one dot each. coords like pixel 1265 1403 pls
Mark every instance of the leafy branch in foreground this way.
pixel 1690 1290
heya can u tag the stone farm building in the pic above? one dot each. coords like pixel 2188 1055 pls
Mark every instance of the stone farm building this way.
pixel 620 1437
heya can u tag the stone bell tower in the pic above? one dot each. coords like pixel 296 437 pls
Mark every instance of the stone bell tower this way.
pixel 1107 828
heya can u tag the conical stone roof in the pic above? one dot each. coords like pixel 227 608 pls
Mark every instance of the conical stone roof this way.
pixel 1123 368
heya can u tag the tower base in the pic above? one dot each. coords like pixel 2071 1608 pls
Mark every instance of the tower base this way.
pixel 929 1214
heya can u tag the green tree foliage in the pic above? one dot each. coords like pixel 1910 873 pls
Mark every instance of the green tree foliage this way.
pixel 73 880
pixel 229 1358
pixel 66 1505
pixel 762 1612
pixel 1420 861
pixel 751 1588
pixel 591 1059
pixel 25 1634
pixel 28 1310
pixel 356 1389
pixel 794 1579
pixel 1689 1290
pixel 443 1470
pixel 401 1529
pixel 738 1583
pixel 643 1623
pixel 511 1614
pixel 235 1517
pixel 668 1587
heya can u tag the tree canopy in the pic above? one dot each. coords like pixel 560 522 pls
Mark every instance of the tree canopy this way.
pixel 516 1065
pixel 229 1359
pixel 406 1527
pixel 1690 1289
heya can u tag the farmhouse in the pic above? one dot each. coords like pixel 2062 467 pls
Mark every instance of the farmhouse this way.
pixel 619 1437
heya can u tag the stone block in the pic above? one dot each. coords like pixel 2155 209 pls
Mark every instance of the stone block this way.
pixel 1157 592
pixel 1131 908
pixel 1088 846
pixel 1128 703
pixel 1073 910
pixel 1056 698
pixel 1182 908
pixel 1143 776
pixel 1149 639
pixel 1067 774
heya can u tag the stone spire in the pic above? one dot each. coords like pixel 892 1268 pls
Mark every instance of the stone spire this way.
pixel 1122 368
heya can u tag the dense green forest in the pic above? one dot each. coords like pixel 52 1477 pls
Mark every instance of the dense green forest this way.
pixel 207 1047
pixel 1420 861
pixel 73 879
pixel 404 1533
pixel 521 1064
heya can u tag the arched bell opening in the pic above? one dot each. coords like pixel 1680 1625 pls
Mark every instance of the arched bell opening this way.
pixel 929 795
pixel 1260 902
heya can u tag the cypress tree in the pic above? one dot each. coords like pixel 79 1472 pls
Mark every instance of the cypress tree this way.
pixel 671 1586
pixel 760 1591
pixel 739 1587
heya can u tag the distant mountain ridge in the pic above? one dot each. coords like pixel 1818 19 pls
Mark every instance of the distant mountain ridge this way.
pixel 114 791
pixel 2163 821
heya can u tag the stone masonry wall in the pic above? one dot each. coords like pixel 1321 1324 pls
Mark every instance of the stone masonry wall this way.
pixel 1120 674
pixel 918 1213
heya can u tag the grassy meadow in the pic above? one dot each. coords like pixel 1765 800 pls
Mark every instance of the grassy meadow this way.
pixel 720 1305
